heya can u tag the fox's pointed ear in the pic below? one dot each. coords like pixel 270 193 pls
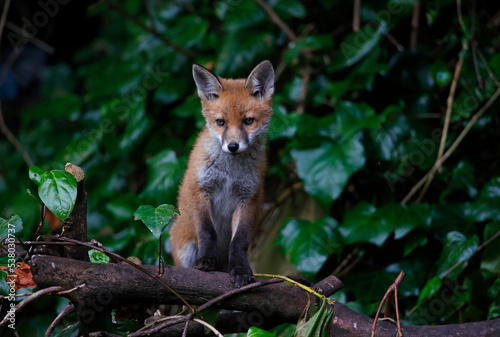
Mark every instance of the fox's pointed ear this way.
pixel 260 82
pixel 207 83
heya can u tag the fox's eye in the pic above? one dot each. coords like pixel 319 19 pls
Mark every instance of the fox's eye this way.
pixel 248 120
pixel 220 122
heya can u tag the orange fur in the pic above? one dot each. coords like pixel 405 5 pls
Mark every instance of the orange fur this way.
pixel 201 198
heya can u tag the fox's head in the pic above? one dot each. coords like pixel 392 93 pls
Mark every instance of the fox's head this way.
pixel 237 112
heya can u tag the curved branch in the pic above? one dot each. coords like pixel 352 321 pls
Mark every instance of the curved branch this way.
pixel 110 285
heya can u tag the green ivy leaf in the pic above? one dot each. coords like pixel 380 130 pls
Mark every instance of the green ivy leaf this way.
pixel 494 311
pixel 242 15
pixel 494 290
pixel 490 259
pixel 36 174
pixel 290 8
pixel 326 169
pixel 70 331
pixel 283 125
pixel 457 248
pixel 4 286
pixel 165 172
pixel 462 178
pixel 96 256
pixel 14 223
pixel 156 219
pixel 430 289
pixel 318 325
pixel 414 241
pixel 312 42
pixel 57 190
pixel 491 189
pixel 360 225
pixel 257 332
pixel 357 45
pixel 308 244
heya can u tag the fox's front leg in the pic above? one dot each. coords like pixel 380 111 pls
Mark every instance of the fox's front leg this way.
pixel 239 268
pixel 207 238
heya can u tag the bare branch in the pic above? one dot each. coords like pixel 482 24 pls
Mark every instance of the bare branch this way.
pixel 453 146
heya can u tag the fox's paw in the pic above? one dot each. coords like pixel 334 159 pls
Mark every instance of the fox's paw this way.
pixel 205 264
pixel 240 274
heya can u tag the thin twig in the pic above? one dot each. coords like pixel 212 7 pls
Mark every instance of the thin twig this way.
pixel 346 261
pixel 473 44
pixel 66 311
pixel 64 292
pixel 490 72
pixel 3 127
pixel 212 328
pixel 186 325
pixel 453 146
pixel 30 38
pixel 167 321
pixel 158 325
pixel 236 291
pixel 306 77
pixel 3 19
pixel 9 63
pixel 395 42
pixel 48 243
pixel 446 126
pixel 151 30
pixel 392 288
pixel 277 20
pixel 414 25
pixel 13 140
pixel 459 13
pixel 355 15
pixel 34 296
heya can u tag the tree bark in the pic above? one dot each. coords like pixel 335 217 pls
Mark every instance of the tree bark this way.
pixel 112 285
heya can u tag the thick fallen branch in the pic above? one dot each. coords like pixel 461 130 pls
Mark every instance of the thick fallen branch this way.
pixel 112 285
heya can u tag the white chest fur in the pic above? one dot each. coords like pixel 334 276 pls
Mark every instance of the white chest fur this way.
pixel 229 180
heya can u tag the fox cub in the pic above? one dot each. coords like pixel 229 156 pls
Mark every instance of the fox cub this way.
pixel 222 190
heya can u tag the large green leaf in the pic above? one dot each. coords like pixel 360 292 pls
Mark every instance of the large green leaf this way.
pixel 283 125
pixel 457 248
pixel 156 219
pixel 326 169
pixel 4 286
pixel 165 172
pixel 289 8
pixel 12 226
pixel 316 326
pixel 57 190
pixel 241 14
pixel 96 256
pixel 70 331
pixel 491 189
pixel 360 226
pixel 36 174
pixel 490 259
pixel 357 45
pixel 308 244
pixel 257 332
pixel 309 43
pixel 462 178
pixel 138 126
pixel 365 223
pixel 430 289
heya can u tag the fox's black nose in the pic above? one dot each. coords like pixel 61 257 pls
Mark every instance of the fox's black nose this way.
pixel 233 147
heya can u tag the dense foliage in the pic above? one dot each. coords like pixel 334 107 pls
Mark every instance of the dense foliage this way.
pixel 358 121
